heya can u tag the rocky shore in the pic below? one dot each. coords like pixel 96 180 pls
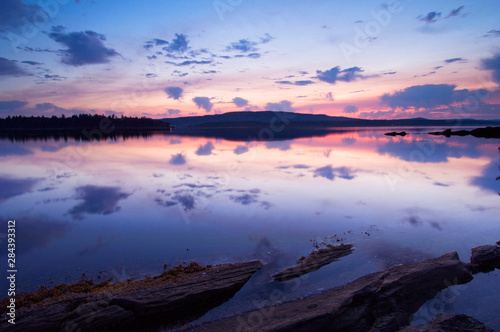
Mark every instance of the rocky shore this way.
pixel 380 301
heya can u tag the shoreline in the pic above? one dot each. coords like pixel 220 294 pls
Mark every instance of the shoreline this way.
pixel 185 293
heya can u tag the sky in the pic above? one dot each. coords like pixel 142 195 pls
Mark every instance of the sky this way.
pixel 165 58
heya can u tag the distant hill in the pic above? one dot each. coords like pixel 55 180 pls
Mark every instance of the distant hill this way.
pixel 300 120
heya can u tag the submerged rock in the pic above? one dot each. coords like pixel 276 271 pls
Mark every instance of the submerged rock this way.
pixel 165 306
pixel 450 323
pixel 485 258
pixel 381 301
pixel 314 261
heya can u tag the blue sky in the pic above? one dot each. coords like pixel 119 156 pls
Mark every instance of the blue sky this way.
pixel 368 59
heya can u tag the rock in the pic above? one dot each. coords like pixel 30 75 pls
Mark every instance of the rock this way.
pixel 485 258
pixel 314 261
pixel 450 323
pixel 394 133
pixel 167 306
pixel 381 301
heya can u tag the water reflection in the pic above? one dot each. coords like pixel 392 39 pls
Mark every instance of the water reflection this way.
pixel 141 202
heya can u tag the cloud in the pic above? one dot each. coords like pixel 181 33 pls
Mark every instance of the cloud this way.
pixel 335 74
pixel 246 45
pixel 240 102
pixel 282 106
pixel 329 96
pixel 455 12
pixel 14 187
pixel 240 149
pixel 173 112
pixel 492 64
pixel 431 17
pixel 492 33
pixel 177 159
pixel 203 102
pixel 455 60
pixel 350 109
pixel 13 13
pixel 205 150
pixel 307 82
pixel 32 63
pixel 155 42
pixel 97 200
pixel 174 92
pixel 242 45
pixel 180 44
pixel 190 62
pixel 10 68
pixel 83 47
pixel 280 145
pixel 10 106
pixel 425 96
pixel 331 173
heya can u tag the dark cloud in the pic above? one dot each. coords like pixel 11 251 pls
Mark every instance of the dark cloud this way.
pixel 205 150
pixel 240 149
pixel 179 45
pixel 11 106
pixel 32 63
pixel 151 75
pixel 350 109
pixel 455 12
pixel 10 68
pixel 155 42
pixel 13 13
pixel 14 187
pixel 190 62
pixel 203 102
pixel 282 106
pixel 85 47
pixel 335 74
pixel 174 92
pixel 240 102
pixel 54 77
pixel 425 96
pixel 38 233
pixel 455 60
pixel 97 200
pixel 173 111
pixel 331 173
pixel 492 64
pixel 177 159
pixel 296 82
pixel 431 17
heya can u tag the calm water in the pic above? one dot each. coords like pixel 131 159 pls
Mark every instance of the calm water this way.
pixel 127 207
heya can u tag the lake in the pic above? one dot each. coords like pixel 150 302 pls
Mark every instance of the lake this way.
pixel 125 207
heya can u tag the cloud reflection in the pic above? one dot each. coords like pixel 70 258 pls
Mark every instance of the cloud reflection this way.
pixel 14 187
pixel 331 173
pixel 97 200
pixel 177 159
